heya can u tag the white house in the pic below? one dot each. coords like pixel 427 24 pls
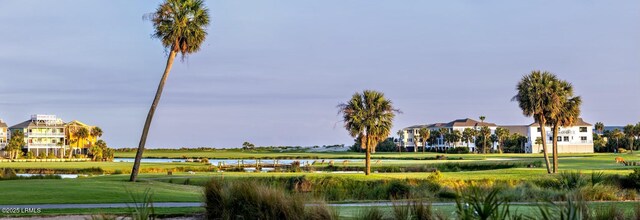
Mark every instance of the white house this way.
pixel 42 134
pixel 409 135
pixel 575 139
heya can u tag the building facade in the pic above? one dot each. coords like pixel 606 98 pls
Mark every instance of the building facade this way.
pixel 78 144
pixel 4 134
pixel 411 141
pixel 575 139
pixel 43 134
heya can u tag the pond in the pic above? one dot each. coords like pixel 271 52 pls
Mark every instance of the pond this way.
pixel 303 162
pixel 63 176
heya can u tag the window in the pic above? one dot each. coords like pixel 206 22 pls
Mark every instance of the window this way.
pixel 583 138
pixel 566 138
pixel 559 138
pixel 538 129
pixel 550 138
pixel 583 129
pixel 410 140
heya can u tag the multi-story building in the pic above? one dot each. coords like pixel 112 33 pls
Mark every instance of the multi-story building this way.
pixel 43 134
pixel 575 139
pixel 410 134
pixel 79 145
pixel 4 134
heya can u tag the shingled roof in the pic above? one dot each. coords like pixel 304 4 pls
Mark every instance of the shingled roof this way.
pixel 520 129
pixel 467 122
pixel 30 123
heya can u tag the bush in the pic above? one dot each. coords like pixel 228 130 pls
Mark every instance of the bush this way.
pixel 399 189
pixel 634 178
pixel 458 150
pixel 571 180
pixel 251 200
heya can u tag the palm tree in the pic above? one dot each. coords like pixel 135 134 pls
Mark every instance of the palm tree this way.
pixel 96 132
pixel 567 116
pixel 468 134
pixel 443 134
pixel 617 134
pixel 502 134
pixel 368 116
pixel 180 26
pixel 564 111
pixel 425 134
pixel 400 140
pixel 630 133
pixel 435 134
pixel 482 118
pixel 455 137
pixel 81 134
pixel 533 98
pixel 485 133
pixel 599 127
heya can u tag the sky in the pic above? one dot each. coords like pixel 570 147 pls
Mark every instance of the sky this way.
pixel 273 72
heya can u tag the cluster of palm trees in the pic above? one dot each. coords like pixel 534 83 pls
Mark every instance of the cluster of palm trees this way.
pixel 551 103
pixel 629 134
pixel 80 139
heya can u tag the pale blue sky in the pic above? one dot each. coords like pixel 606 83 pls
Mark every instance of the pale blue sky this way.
pixel 272 72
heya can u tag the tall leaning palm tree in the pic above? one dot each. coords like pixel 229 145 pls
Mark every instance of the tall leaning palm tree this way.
pixel 534 99
pixel 368 116
pixel 181 27
pixel 425 134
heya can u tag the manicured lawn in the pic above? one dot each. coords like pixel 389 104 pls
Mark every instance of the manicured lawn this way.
pixel 109 167
pixel 162 211
pixel 91 190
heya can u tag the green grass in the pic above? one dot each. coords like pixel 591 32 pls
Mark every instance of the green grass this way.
pixel 161 211
pixel 108 167
pixel 91 190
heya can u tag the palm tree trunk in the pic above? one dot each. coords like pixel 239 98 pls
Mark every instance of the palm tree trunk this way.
pixel 555 148
pixel 147 123
pixel 367 162
pixel 543 134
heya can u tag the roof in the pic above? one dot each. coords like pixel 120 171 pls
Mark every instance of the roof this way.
pixel 2 124
pixel 30 124
pixel 76 122
pixel 467 122
pixel 578 122
pixel 519 129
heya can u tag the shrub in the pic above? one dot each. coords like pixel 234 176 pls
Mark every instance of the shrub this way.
pixel 251 200
pixel 609 213
pixel 571 180
pixel 372 213
pixel 399 189
pixel 458 150
pixel 480 203
pixel 634 178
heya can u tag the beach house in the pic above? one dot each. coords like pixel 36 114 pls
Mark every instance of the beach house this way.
pixel 43 134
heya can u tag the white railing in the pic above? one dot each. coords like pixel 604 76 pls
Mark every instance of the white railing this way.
pixel 42 145
pixel 45 134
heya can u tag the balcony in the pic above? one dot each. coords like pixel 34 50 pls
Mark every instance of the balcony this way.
pixel 40 145
pixel 44 134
